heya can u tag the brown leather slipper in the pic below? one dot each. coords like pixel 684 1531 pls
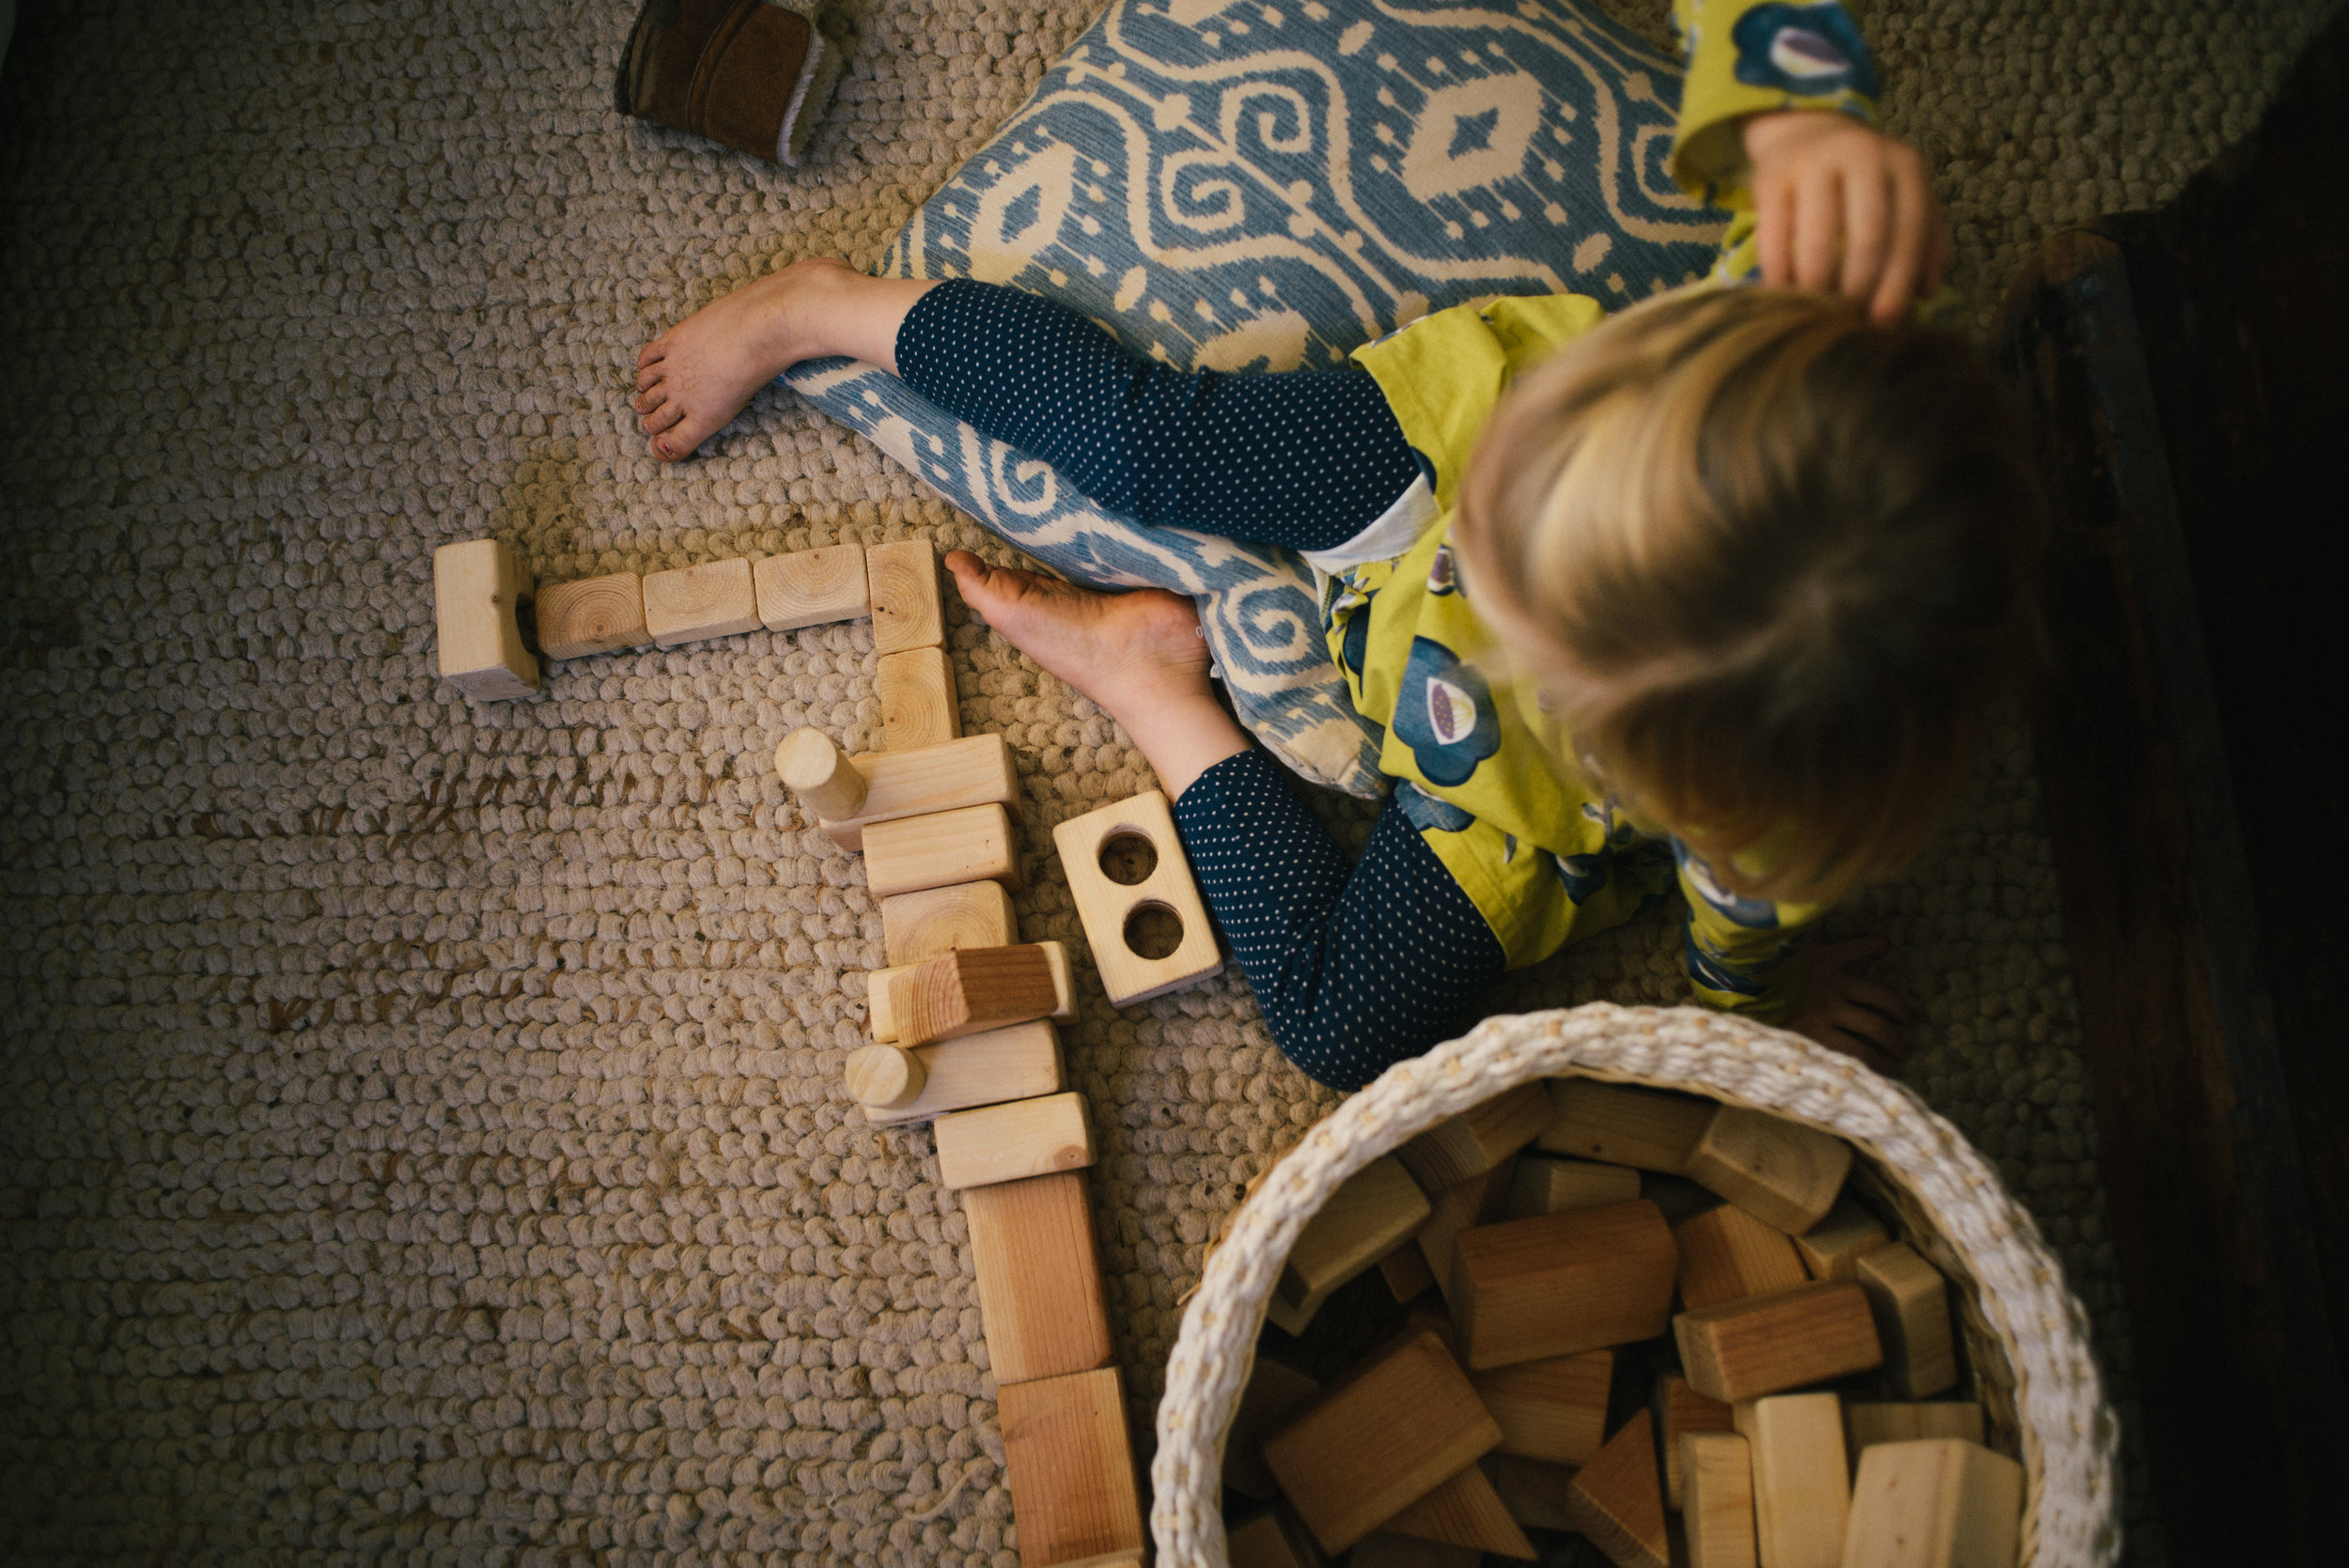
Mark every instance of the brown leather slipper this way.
pixel 755 74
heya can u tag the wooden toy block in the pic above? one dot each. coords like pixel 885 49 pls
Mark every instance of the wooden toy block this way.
pixel 1040 1298
pixel 880 995
pixel 1744 1350
pixel 1718 1516
pixel 1481 1200
pixel 478 589
pixel 691 603
pixel 1620 1125
pixel 1562 1283
pixel 902 580
pixel 1008 1142
pixel 915 852
pixel 1534 1491
pixel 1370 1214
pixel 1677 1197
pixel 976 770
pixel 1555 1185
pixel 1405 1271
pixel 809 587
pixel 1404 1551
pixel 1617 1499
pixel 1380 1440
pixel 1130 1557
pixel 1936 1504
pixel 918 708
pixel 1275 1391
pixel 1832 1250
pixel 820 772
pixel 1867 1425
pixel 1801 1488
pixel 1779 1171
pixel 1680 1410
pixel 594 614
pixel 1274 1539
pixel 885 1078
pixel 1464 1511
pixel 1109 908
pixel 1017 1063
pixel 918 926
pixel 1478 1139
pixel 1911 1302
pixel 1071 1467
pixel 1554 1408
pixel 970 990
pixel 1726 1254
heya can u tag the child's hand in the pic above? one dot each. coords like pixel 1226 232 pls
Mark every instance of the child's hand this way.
pixel 1843 207
pixel 1846 1012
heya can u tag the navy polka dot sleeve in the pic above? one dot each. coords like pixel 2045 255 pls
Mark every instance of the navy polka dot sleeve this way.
pixel 1306 459
pixel 1355 968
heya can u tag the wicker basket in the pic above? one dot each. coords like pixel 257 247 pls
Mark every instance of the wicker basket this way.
pixel 2025 1333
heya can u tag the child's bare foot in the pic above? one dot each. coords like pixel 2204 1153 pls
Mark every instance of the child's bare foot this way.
pixel 696 376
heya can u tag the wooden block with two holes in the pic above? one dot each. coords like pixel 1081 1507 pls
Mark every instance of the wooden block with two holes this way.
pixel 1618 1123
pixel 1275 1538
pixel 885 1078
pixel 847 795
pixel 1617 1499
pixel 1017 1063
pixel 1481 1200
pixel 1109 908
pixel 1392 1431
pixel 1554 1185
pixel 593 614
pixel 1464 1511
pixel 902 581
pixel 1373 1212
pixel 1011 1141
pixel 1744 1350
pixel 1275 1391
pixel 1718 1514
pixel 1680 1410
pixel 1782 1172
pixel 1554 1408
pixel 912 853
pixel 1562 1283
pixel 1478 1139
pixel 1832 1250
pixel 970 990
pixel 478 589
pixel 1935 1503
pixel 918 926
pixel 1866 1424
pixel 916 689
pixel 1726 1254
pixel 1532 1490
pixel 1070 1465
pixel 809 587
pixel 692 603
pixel 1039 1273
pixel 1801 1488
pixel 1911 1302
pixel 880 994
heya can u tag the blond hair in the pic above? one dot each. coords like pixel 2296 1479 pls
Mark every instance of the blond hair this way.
pixel 1770 564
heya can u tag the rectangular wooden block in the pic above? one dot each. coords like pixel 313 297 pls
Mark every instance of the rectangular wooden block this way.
pixel 1832 1250
pixel 902 580
pixel 1371 1213
pixel 1107 906
pixel 1273 1538
pixel 1549 1286
pixel 918 926
pixel 1481 1200
pixel 1868 1424
pixel 1402 1551
pixel 1621 1125
pixel 593 614
pixel 1039 1273
pixel 880 993
pixel 915 852
pixel 809 587
pixel 1013 1141
pixel 1747 1349
pixel 1718 1516
pixel 1676 1196
pixel 691 603
pixel 1380 1440
pixel 1464 1511
pixel 1801 1489
pixel 1554 1408
pixel 1726 1254
pixel 916 689
pixel 1938 1504
pixel 1071 1467
pixel 1017 1063
pixel 976 770
pixel 1555 1185
pixel 1911 1303
pixel 1782 1172
pixel 1407 1272
pixel 1275 1391
pixel 1617 1499
pixel 970 990
pixel 1680 1410
pixel 478 589
pixel 1478 1139
pixel 1532 1490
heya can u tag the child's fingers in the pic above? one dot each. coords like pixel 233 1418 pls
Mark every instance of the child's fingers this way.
pixel 1774 205
pixel 1818 224
pixel 1868 202
pixel 1861 1024
pixel 1912 234
pixel 1879 999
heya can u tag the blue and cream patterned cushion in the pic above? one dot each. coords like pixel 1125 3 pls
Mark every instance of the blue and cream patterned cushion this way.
pixel 1268 184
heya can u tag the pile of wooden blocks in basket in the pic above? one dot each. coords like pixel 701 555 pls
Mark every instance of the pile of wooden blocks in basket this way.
pixel 1782 1417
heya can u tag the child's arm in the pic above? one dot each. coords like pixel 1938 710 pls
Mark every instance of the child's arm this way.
pixel 1748 955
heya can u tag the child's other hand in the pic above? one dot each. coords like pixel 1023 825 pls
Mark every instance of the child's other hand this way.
pixel 1843 207
pixel 1846 1012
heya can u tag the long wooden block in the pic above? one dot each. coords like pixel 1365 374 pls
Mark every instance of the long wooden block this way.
pixel 970 990
pixel 1617 1499
pixel 1405 1272
pixel 1554 1408
pixel 1832 1250
pixel 478 589
pixel 902 579
pixel 1109 908
pixel 809 587
pixel 1911 1303
pixel 1275 1391
pixel 1071 1467
pixel 691 603
pixel 1532 1490
pixel 881 1000
pixel 1555 1185
pixel 884 1078
pixel 1866 1424
pixel 1380 1440
pixel 976 770
pixel 917 926
pixel 1680 1410
pixel 1718 1516
pixel 1549 1286
pixel 1132 1556
pixel 815 767
pixel 1478 1139
pixel 1938 1503
pixel 1747 1349
pixel 912 853
pixel 916 689
pixel 1371 1213
pixel 1464 1511
pixel 1403 1551
pixel 1008 1142
pixel 1726 1254
pixel 1779 1171
pixel 1801 1488
pixel 1621 1125
pixel 592 615
pixel 1273 1538
pixel 1481 1200
pixel 1017 1063
pixel 1039 1273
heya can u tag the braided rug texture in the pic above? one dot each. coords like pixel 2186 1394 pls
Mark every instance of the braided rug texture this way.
pixel 420 1131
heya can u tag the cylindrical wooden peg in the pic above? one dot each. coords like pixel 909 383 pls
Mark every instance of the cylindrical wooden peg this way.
pixel 884 1076
pixel 820 773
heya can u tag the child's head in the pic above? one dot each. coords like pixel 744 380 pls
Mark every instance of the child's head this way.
pixel 1769 563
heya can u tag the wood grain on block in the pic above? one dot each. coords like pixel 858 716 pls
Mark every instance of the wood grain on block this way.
pixel 1718 1512
pixel 918 926
pixel 1273 1538
pixel 810 588
pixel 880 995
pixel 1678 1196
pixel 1481 1200
pixel 976 770
pixel 1405 1271
pixel 884 1078
pixel 593 614
pixel 1935 1503
pixel 1617 1499
pixel 902 580
pixel 1371 1213
pixel 1275 1391
pixel 970 990
pixel 1108 907
pixel 1011 1141
pixel 1132 1556
pixel 1380 1440
pixel 1832 1250
pixel 1726 1254
pixel 1779 1171
pixel 1478 1139
pixel 916 689
pixel 1620 1125
pixel 1532 1490
pixel 1403 1551
pixel 1040 1296
pixel 1071 1467
pixel 1867 1425
pixel 1680 1410
pixel 1911 1303
pixel 1554 1408
pixel 1555 1185
pixel 1801 1488
pixel 478 589
pixel 820 772
pixel 1744 1350
pixel 1017 1063
pixel 1562 1283
pixel 1464 1511
pixel 691 603
pixel 912 853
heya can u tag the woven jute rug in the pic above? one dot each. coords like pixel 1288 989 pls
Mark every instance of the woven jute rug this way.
pixel 420 1136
